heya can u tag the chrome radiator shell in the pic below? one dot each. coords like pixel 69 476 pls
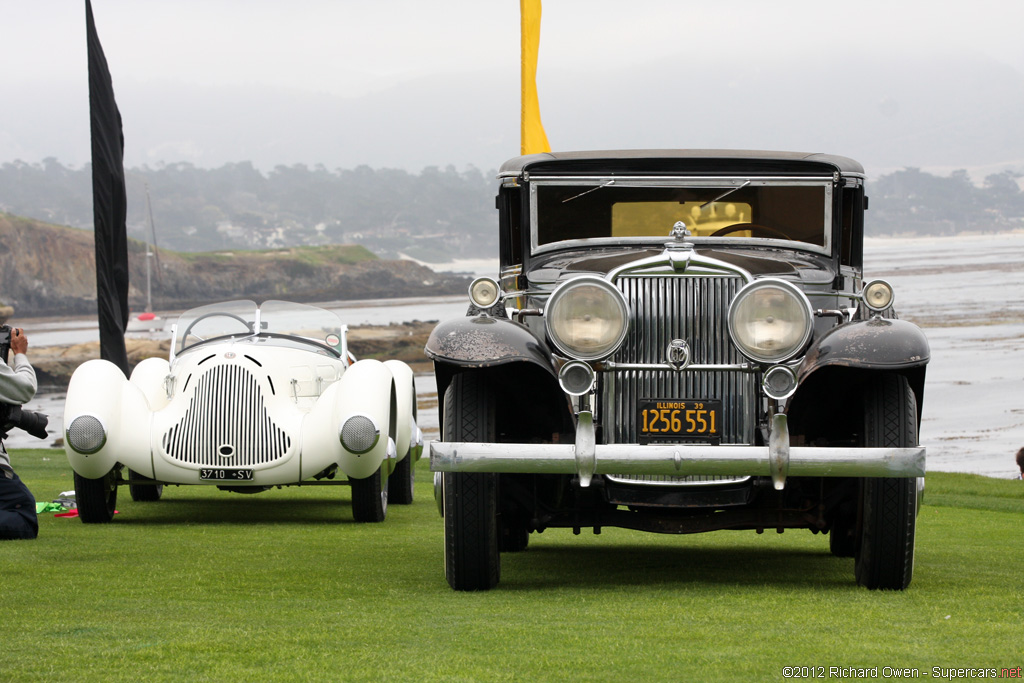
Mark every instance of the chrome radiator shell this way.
pixel 694 309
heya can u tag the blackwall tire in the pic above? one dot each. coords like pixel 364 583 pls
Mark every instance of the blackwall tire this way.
pixel 401 483
pixel 885 556
pixel 97 498
pixel 471 559
pixel 143 492
pixel 369 498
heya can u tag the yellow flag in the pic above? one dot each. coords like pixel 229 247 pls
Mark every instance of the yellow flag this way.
pixel 533 139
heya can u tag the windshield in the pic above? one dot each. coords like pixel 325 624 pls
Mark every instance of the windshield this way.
pixel 565 211
pixel 279 322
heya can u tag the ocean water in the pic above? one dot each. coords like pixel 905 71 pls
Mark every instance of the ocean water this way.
pixel 964 291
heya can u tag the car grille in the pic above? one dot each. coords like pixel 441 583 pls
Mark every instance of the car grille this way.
pixel 226 423
pixel 694 309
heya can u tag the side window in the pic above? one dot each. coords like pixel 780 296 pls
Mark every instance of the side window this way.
pixel 852 237
pixel 510 231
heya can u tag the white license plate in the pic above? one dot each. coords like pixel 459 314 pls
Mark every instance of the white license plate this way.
pixel 222 474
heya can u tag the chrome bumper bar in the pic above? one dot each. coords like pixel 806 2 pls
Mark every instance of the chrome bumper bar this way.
pixel 585 459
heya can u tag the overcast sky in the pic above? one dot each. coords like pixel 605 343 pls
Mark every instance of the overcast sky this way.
pixel 351 49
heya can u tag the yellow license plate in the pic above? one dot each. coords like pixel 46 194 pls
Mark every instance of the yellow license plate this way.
pixel 679 420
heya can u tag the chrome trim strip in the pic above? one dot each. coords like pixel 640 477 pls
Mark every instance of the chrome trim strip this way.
pixel 612 366
pixel 676 459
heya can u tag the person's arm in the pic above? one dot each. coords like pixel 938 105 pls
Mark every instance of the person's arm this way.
pixel 18 380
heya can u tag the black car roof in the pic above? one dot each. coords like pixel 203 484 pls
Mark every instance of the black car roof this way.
pixel 667 161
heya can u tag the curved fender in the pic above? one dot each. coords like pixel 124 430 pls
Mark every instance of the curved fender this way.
pixel 482 341
pixel 876 344
pixel 364 389
pixel 405 389
pixel 149 376
pixel 99 388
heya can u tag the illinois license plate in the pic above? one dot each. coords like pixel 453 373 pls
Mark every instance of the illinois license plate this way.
pixel 222 474
pixel 679 420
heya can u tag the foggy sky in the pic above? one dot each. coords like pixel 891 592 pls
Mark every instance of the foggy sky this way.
pixel 406 83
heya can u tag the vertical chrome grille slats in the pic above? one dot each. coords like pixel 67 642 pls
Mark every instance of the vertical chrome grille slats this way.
pixel 695 309
pixel 227 408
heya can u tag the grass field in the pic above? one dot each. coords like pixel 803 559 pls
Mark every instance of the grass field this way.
pixel 212 586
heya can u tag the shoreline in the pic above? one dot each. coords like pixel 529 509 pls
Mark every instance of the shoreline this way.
pixel 401 341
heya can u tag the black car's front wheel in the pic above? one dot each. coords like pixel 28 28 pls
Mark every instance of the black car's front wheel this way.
pixel 471 559
pixel 885 555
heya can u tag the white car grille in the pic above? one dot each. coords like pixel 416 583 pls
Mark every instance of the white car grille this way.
pixel 226 423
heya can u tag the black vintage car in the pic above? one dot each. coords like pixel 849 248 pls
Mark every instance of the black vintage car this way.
pixel 680 341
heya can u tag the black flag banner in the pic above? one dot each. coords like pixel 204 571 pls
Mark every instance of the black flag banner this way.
pixel 109 204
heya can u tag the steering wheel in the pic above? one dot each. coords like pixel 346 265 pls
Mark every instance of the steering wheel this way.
pixel 754 228
pixel 212 314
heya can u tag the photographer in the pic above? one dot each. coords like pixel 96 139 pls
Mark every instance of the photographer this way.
pixel 17 385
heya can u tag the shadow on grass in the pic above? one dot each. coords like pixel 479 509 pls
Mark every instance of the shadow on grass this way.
pixel 639 565
pixel 237 509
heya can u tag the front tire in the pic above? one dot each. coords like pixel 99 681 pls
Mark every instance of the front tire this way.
pixel 97 498
pixel 369 498
pixel 885 556
pixel 471 559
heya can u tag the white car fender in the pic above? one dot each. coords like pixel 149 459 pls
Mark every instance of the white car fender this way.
pixel 365 389
pixel 149 376
pixel 99 388
pixel 405 390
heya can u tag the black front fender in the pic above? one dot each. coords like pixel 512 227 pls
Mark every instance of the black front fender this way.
pixel 876 344
pixel 483 341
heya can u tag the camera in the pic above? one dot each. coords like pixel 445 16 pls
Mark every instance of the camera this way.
pixel 12 415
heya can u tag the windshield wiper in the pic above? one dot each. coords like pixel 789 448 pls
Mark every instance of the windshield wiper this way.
pixel 594 189
pixel 723 195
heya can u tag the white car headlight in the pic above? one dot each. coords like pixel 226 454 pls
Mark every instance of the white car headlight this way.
pixel 587 318
pixel 359 434
pixel 86 434
pixel 770 320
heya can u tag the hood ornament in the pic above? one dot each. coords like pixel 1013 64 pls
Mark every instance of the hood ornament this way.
pixel 678 354
pixel 679 235
pixel 680 231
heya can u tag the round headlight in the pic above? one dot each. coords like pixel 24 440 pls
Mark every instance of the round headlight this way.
pixel 359 434
pixel 484 292
pixel 576 378
pixel 878 295
pixel 86 434
pixel 587 318
pixel 770 320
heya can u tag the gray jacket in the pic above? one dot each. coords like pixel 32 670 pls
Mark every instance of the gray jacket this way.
pixel 17 386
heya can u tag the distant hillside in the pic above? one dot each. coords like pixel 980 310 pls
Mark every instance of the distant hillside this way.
pixel 50 270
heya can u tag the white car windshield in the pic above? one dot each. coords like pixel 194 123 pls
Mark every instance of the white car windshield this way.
pixel 275 322
pixel 566 212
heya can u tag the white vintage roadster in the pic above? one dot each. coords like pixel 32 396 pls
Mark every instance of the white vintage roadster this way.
pixel 252 397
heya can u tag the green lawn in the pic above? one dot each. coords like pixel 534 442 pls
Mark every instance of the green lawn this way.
pixel 207 585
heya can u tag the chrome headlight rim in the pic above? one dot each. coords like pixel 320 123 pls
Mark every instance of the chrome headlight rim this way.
pixel 348 446
pixel 479 295
pixel 567 383
pixel 873 284
pixel 556 299
pixel 792 350
pixel 70 441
